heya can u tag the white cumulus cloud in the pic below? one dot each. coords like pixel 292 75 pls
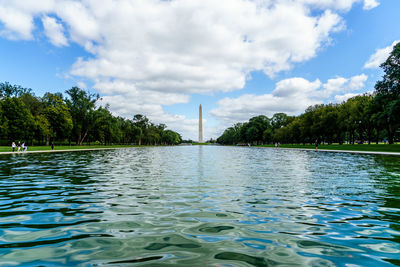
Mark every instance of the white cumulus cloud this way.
pixel 342 98
pixel 181 46
pixel 370 4
pixel 17 24
pixel 380 55
pixel 342 5
pixel 54 31
pixel 17 17
pixel 341 84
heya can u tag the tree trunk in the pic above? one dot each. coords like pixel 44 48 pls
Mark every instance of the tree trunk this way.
pixel 390 137
pixel 369 136
pixel 83 138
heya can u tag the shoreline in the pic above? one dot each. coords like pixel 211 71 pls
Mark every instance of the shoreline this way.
pixel 287 148
pixel 339 151
pixel 59 150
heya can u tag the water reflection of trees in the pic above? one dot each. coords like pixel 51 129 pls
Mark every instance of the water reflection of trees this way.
pixel 389 181
pixel 46 183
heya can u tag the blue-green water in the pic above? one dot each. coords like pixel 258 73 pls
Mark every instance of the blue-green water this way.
pixel 199 205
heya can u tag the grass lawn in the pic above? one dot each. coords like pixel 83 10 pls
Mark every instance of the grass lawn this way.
pixel 355 147
pixel 41 148
pixel 200 144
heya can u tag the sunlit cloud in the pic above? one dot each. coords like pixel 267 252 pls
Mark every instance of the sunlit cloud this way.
pixel 380 55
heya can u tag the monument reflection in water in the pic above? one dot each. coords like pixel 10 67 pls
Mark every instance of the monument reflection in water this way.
pixel 200 125
pixel 196 205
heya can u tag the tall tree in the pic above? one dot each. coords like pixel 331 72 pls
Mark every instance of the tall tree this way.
pixel 58 115
pixel 279 120
pixel 169 137
pixel 105 129
pixel 142 124
pixel 17 123
pixel 257 126
pixel 388 93
pixel 82 107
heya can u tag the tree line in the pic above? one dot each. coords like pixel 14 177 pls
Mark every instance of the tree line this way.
pixel 74 119
pixel 368 118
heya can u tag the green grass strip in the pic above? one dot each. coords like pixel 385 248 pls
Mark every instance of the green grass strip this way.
pixel 47 148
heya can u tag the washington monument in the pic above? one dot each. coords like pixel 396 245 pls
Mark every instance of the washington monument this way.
pixel 200 125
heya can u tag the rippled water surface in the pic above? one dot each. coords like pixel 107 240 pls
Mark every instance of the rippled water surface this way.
pixel 199 205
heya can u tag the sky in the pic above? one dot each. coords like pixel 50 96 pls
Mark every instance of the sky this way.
pixel 162 59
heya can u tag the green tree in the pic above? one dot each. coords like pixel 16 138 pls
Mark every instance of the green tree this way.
pixel 328 122
pixel 82 107
pixel 294 133
pixel 58 115
pixel 17 123
pixel 105 127
pixel 42 128
pixel 257 127
pixel 388 93
pixel 137 134
pixel 152 135
pixel 251 134
pixel 279 120
pixel 8 90
pixel 142 123
pixel 170 137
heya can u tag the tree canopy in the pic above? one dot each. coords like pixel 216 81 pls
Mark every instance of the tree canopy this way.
pixel 388 94
pixel 72 119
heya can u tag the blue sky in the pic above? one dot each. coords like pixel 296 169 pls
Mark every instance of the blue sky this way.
pixel 162 59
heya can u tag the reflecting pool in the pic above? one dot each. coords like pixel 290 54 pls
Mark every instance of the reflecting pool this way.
pixel 199 205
